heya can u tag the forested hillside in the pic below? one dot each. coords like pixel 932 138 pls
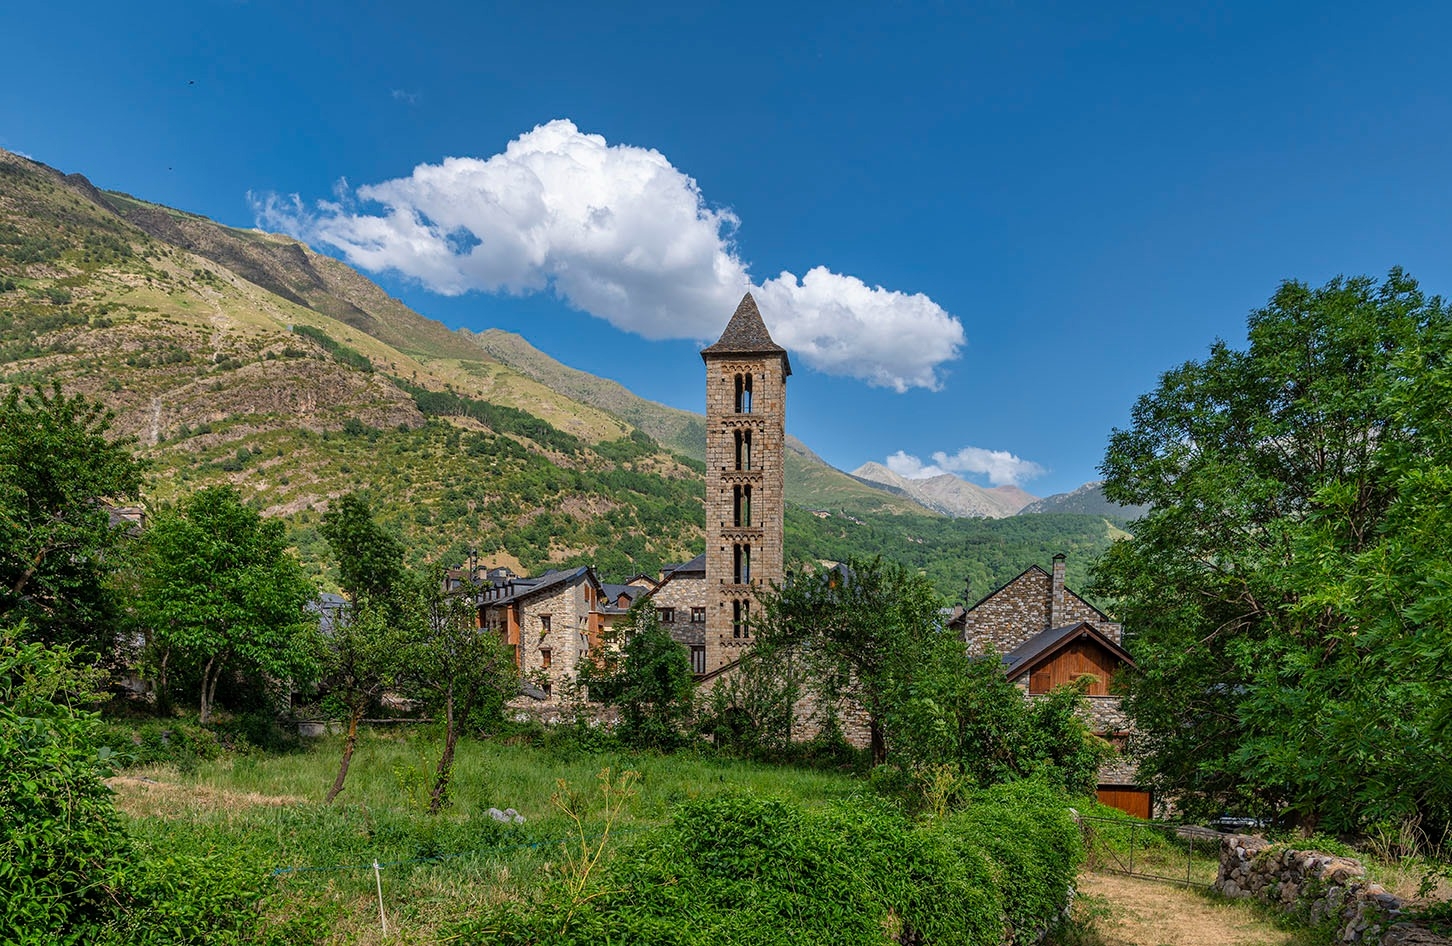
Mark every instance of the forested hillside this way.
pixel 986 552
pixel 233 356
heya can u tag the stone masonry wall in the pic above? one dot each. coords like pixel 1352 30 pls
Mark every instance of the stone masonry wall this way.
pixel 565 640
pixel 681 593
pixel 1320 887
pixel 1022 608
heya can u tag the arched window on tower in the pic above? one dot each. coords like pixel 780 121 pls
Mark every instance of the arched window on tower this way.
pixel 741 560
pixel 740 619
pixel 743 394
pixel 741 505
pixel 743 450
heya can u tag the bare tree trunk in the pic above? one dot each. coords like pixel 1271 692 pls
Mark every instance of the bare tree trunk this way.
pixel 446 761
pixel 163 703
pixel 879 744
pixel 205 715
pixel 348 745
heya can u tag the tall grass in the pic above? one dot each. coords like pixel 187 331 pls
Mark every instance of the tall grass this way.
pixel 436 870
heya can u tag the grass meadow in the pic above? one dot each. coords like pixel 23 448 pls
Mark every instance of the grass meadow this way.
pixel 267 810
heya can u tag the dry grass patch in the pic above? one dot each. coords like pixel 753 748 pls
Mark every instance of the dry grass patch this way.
pixel 141 796
pixel 1129 911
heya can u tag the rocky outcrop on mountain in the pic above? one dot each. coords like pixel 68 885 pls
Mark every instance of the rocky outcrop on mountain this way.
pixel 948 494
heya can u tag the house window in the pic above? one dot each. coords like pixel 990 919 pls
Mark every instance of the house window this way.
pixel 698 615
pixel 743 450
pixel 741 562
pixel 544 623
pixel 666 615
pixel 545 658
pixel 741 500
pixel 743 394
pixel 698 658
pixel 740 619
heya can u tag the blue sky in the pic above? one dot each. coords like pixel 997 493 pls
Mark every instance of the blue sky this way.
pixel 1085 195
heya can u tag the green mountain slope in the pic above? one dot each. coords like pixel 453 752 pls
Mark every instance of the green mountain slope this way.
pixel 810 480
pixel 220 379
pixel 238 357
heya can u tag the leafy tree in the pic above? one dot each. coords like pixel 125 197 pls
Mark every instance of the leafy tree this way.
pixel 944 722
pixel 647 675
pixel 1286 591
pixel 463 673
pixel 361 657
pixel 59 471
pixel 362 653
pixel 871 629
pixel 751 710
pixel 221 592
pixel 370 558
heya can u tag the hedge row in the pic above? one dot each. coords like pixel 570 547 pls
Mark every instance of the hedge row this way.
pixel 739 869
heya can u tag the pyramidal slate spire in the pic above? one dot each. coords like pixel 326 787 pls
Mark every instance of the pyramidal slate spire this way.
pixel 746 334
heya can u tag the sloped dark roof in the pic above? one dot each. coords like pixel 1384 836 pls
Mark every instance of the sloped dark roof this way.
pixel 524 587
pixel 746 334
pixel 329 609
pixel 1046 643
pixel 697 564
pixel 614 591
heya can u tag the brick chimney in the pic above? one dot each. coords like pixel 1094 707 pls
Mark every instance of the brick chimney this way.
pixel 1056 593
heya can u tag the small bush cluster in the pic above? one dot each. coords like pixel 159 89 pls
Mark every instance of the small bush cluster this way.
pixel 341 353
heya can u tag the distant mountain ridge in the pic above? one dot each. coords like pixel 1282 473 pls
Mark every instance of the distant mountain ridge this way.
pixel 1088 499
pixel 948 494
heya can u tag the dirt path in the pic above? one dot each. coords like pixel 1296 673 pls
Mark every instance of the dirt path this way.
pixel 1134 912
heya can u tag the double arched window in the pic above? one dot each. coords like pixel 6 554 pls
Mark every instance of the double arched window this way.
pixel 743 449
pixel 740 619
pixel 741 505
pixel 743 394
pixel 741 562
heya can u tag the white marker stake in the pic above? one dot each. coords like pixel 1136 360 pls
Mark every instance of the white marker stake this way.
pixel 378 876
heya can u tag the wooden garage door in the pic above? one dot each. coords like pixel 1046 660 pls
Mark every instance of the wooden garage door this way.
pixel 1134 801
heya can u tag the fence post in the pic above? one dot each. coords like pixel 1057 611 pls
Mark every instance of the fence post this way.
pixel 378 876
pixel 1133 834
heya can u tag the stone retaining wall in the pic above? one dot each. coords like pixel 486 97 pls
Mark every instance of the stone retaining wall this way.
pixel 1320 887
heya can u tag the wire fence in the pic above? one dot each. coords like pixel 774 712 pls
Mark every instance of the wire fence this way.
pixel 1182 854
pixel 443 858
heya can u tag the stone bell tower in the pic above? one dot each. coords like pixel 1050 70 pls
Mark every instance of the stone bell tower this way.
pixel 746 376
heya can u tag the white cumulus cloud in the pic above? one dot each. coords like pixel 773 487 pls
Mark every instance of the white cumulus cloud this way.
pixel 619 232
pixel 1001 467
pixel 912 468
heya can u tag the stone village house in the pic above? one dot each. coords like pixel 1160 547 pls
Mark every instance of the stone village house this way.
pixel 1048 636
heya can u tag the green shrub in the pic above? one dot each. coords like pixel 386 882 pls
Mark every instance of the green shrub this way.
pixel 62 849
pixel 736 868
pixel 1026 831
pixel 176 898
pixel 163 740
